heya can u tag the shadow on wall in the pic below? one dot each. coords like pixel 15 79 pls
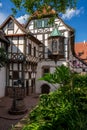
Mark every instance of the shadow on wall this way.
pixel 45 89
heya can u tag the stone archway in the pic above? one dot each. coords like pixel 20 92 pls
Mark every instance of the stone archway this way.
pixel 45 89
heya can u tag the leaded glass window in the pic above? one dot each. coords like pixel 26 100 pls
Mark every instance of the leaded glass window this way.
pixel 54 46
pixel 39 23
pixel 46 24
pixel 42 23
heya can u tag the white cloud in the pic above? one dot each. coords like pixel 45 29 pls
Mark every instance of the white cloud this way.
pixel 72 12
pixel 0 4
pixel 23 19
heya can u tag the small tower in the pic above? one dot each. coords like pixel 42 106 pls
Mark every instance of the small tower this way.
pixel 56 45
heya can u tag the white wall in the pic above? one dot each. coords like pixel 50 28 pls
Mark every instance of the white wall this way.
pixel 2 81
pixel 52 66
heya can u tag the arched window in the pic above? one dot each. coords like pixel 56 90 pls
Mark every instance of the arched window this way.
pixel 54 46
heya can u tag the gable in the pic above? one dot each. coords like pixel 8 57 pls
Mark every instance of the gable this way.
pixel 39 20
pixel 12 26
pixel 42 23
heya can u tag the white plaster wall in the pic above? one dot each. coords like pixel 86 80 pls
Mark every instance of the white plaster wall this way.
pixel 17 30
pixel 39 37
pixel 52 66
pixel 31 25
pixel 21 48
pixel 2 82
pixel 5 29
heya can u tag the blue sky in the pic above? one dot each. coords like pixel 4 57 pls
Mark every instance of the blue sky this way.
pixel 77 19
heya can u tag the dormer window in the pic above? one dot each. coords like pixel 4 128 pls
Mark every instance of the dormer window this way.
pixel 42 23
pixel 39 23
pixel 11 25
pixel 46 23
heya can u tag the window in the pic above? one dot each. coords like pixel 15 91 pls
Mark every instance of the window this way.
pixel 35 24
pixel 39 23
pixel 14 49
pixel 46 24
pixel 54 46
pixel 29 49
pixel 34 51
pixel 11 25
pixel 42 23
pixel 46 70
pixel 29 75
pixel 15 75
pixel 61 46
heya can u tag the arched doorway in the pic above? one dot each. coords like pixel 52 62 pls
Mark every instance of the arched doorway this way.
pixel 45 89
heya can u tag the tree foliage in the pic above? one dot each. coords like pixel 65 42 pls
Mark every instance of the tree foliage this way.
pixel 56 111
pixel 3 57
pixel 32 5
pixel 62 75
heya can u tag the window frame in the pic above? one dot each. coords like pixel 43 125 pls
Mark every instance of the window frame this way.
pixel 54 46
pixel 42 23
pixel 34 51
pixel 15 75
pixel 45 68
pixel 29 49
pixel 10 25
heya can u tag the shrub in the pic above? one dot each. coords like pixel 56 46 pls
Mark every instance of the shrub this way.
pixel 63 109
pixel 80 81
pixel 57 111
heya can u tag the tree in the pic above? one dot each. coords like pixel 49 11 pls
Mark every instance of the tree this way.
pixel 3 57
pixel 31 6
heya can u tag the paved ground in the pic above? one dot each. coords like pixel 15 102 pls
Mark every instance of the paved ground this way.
pixel 7 120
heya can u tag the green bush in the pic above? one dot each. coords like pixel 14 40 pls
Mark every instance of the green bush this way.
pixel 63 109
pixel 56 111
pixel 80 81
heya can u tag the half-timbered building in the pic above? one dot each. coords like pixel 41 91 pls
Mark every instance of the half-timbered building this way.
pixel 34 48
pixel 23 57
pixel 38 24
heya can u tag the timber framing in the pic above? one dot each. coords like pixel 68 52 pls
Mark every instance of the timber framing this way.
pixel 28 51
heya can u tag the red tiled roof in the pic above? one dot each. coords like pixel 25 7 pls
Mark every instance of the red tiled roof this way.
pixel 81 50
